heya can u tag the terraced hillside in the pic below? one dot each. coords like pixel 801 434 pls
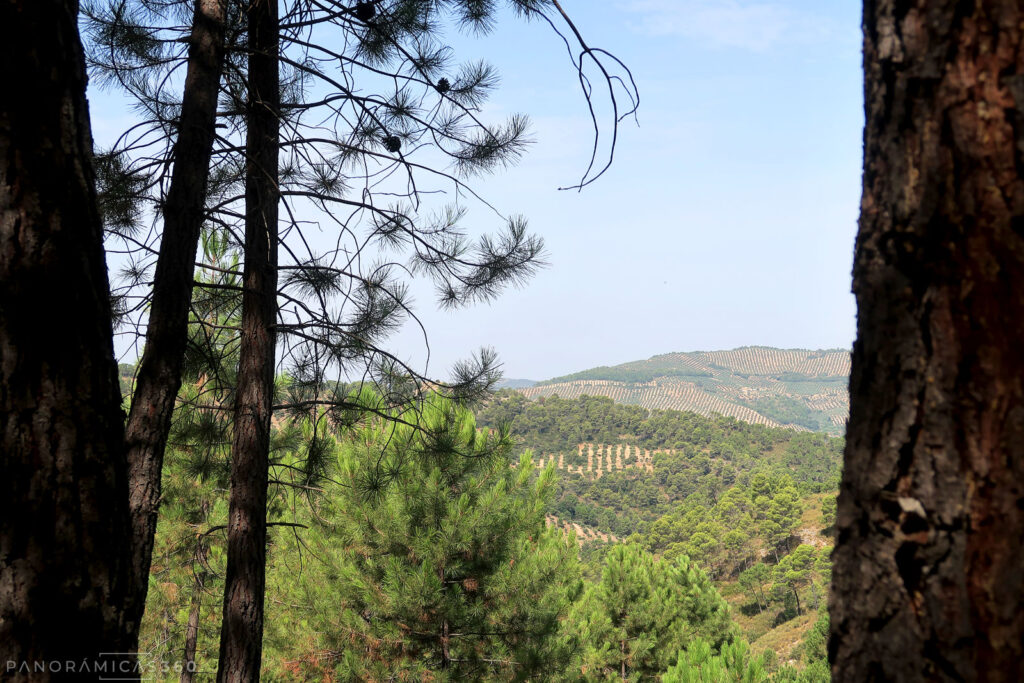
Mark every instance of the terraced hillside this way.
pixel 795 388
pixel 584 534
pixel 594 460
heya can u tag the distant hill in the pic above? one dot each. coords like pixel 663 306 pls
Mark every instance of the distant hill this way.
pixel 515 384
pixel 796 388
pixel 622 466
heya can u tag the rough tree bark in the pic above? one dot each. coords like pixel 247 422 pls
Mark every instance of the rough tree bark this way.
pixel 928 581
pixel 159 375
pixel 241 640
pixel 188 669
pixel 64 566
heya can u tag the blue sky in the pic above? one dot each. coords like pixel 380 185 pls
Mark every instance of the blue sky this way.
pixel 729 216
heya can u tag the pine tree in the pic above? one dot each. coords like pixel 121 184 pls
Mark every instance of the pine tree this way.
pixel 432 558
pixel 794 571
pixel 643 611
pixel 776 504
pixel 699 663
pixel 180 622
pixel 159 372
pixel 338 154
pixel 703 614
pixel 753 580
pixel 928 582
pixel 241 639
pixel 815 650
pixel 65 556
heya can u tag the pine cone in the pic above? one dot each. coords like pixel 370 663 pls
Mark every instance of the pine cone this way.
pixel 365 11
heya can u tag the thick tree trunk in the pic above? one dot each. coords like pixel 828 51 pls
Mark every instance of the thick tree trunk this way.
pixel 241 640
pixel 64 537
pixel 928 581
pixel 159 375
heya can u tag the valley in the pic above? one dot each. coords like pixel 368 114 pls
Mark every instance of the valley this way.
pixel 712 530
pixel 743 500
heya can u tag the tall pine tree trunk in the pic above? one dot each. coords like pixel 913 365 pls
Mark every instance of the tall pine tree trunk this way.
pixel 159 374
pixel 64 536
pixel 241 638
pixel 928 581
pixel 188 670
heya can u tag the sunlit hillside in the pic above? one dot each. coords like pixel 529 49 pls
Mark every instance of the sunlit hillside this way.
pixel 747 503
pixel 795 388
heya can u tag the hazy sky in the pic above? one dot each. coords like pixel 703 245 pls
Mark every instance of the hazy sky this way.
pixel 729 215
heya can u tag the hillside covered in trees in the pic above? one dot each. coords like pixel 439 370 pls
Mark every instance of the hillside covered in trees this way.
pixel 623 466
pixel 740 500
pixel 429 545
pixel 774 387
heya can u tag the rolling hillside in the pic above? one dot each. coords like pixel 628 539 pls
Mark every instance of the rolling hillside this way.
pixel 795 388
pixel 735 498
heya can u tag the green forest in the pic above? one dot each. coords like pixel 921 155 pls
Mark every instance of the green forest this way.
pixel 419 545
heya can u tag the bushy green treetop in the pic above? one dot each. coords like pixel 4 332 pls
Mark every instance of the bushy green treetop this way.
pixel 699 663
pixel 643 611
pixel 434 558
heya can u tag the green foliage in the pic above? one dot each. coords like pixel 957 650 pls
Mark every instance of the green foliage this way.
pixel 789 411
pixel 816 461
pixel 434 560
pixel 700 664
pixel 794 571
pixel 697 460
pixel 778 513
pixel 828 512
pixel 406 528
pixel 643 610
pixel 789 386
pixel 556 424
pixel 818 672
pixel 189 554
pixel 754 580
pixel 721 536
pixel 419 113
pixel 815 646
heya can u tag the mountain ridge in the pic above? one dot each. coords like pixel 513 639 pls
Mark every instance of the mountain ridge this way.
pixel 802 389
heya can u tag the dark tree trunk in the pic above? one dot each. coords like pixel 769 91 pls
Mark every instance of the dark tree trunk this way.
pixel 64 536
pixel 188 670
pixel 241 640
pixel 928 581
pixel 159 374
